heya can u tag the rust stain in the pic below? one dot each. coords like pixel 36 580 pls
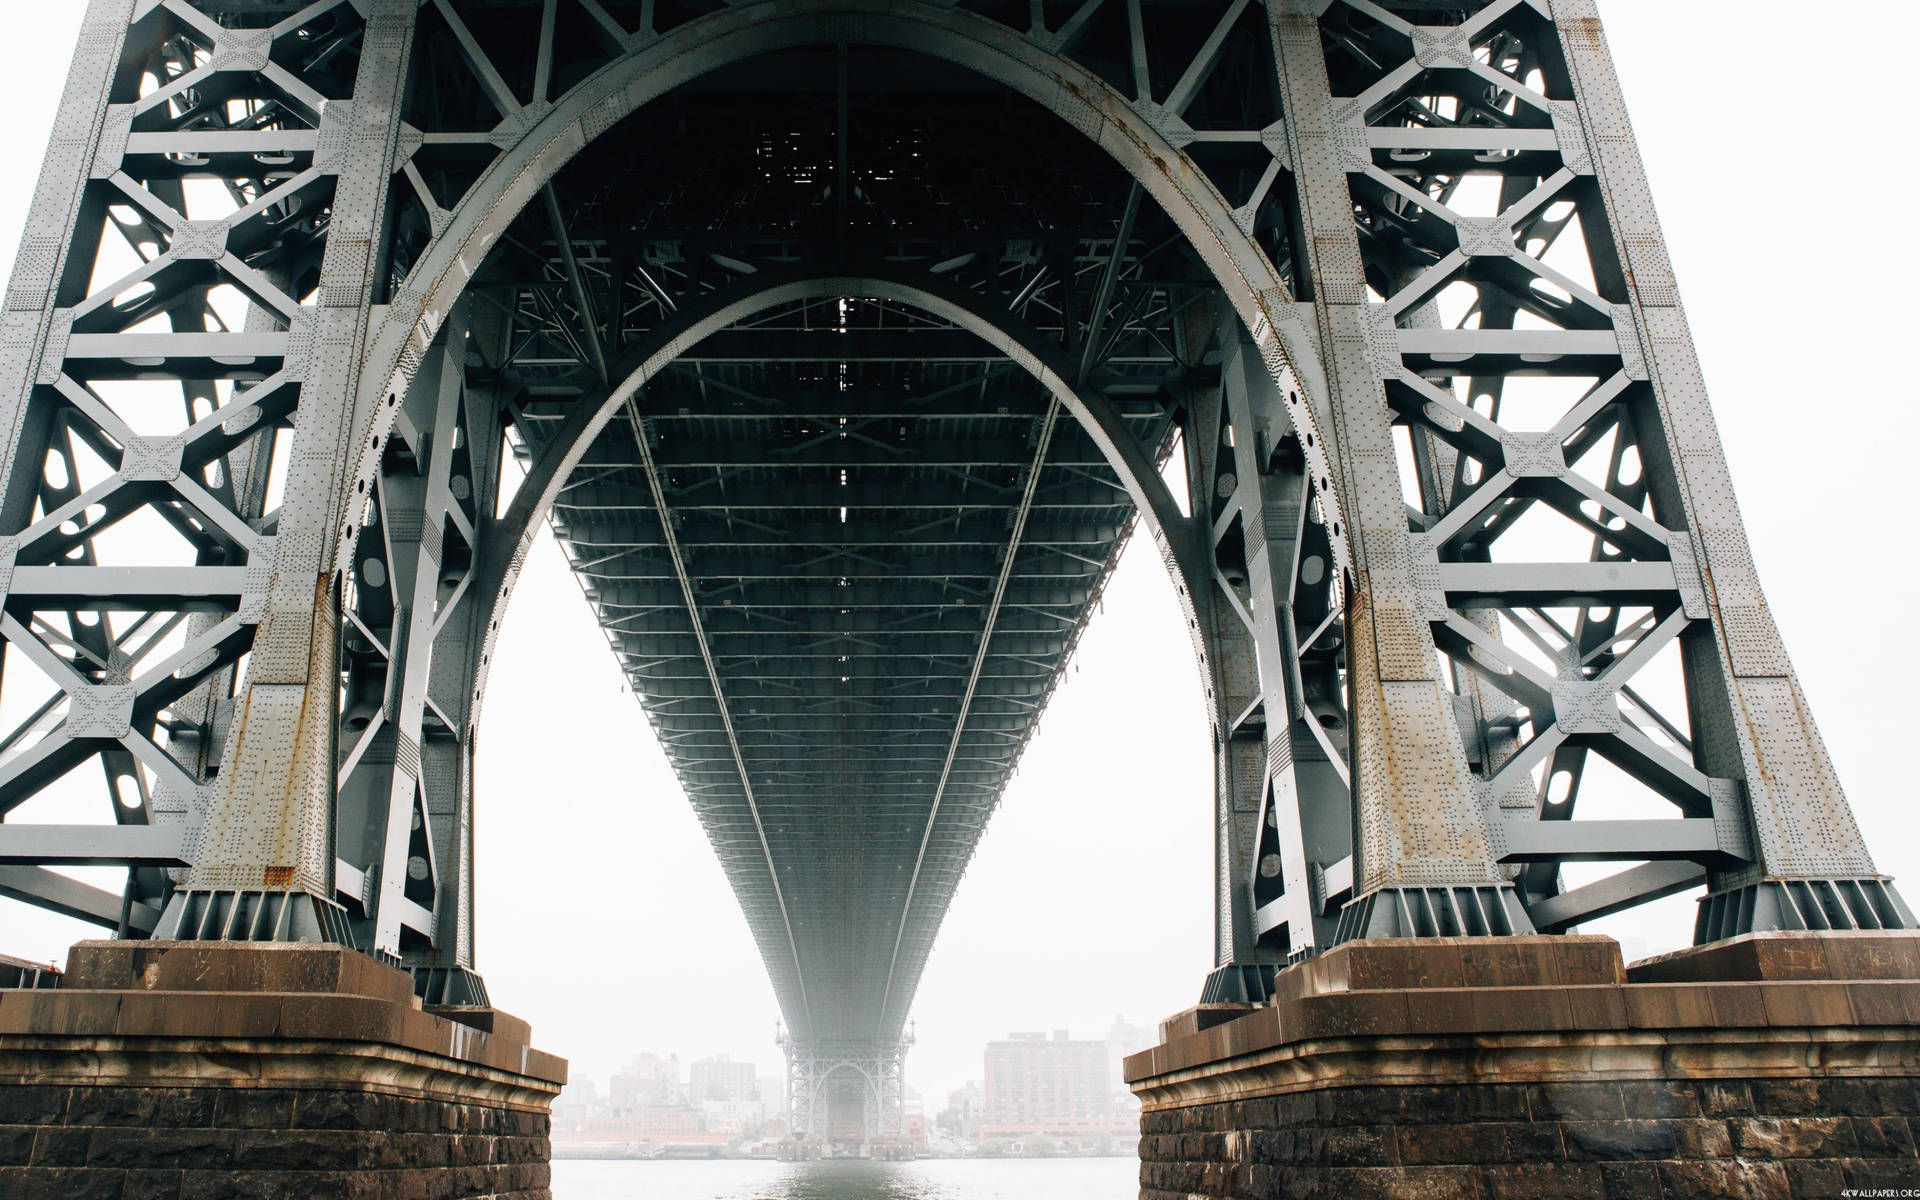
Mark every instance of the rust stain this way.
pixel 1737 695
pixel 318 649
pixel 1585 30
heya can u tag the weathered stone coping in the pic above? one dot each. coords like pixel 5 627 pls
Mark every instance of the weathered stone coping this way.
pixel 197 1013
pixel 1461 1010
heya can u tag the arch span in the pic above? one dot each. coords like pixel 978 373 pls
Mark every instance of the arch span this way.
pixel 1180 549
pixel 884 281
pixel 557 132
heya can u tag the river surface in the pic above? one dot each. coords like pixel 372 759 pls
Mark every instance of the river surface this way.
pixel 929 1179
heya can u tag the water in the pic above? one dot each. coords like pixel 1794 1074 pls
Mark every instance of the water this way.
pixel 930 1179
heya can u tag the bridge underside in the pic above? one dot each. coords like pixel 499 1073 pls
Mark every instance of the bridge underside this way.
pixel 842 547
pixel 842 343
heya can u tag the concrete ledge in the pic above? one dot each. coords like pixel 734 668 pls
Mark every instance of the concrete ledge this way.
pixel 1541 1067
pixel 1775 957
pixel 486 1020
pixel 1190 1021
pixel 137 1020
pixel 234 967
pixel 1420 963
pixel 1396 989
pixel 224 1069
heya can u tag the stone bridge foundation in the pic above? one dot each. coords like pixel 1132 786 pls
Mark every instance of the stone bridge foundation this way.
pixel 1770 1066
pixel 204 1070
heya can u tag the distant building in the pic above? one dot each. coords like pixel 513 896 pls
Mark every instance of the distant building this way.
pixel 913 1117
pixel 577 1102
pixel 648 1121
pixel 965 1108
pixel 732 1116
pixel 1124 1039
pixel 579 1091
pixel 649 1081
pixel 1037 1084
pixel 722 1079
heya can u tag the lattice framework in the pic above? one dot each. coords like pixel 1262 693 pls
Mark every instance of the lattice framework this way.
pixel 842 440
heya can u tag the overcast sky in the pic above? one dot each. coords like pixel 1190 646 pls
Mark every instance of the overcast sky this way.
pixel 604 918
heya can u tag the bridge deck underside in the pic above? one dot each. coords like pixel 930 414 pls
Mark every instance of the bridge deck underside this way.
pixel 846 479
pixel 843 551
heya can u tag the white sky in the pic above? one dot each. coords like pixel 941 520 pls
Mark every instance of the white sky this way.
pixel 604 918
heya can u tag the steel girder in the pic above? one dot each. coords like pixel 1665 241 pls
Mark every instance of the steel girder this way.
pixel 842 443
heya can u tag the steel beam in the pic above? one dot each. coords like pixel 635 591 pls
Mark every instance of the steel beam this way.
pixel 94 845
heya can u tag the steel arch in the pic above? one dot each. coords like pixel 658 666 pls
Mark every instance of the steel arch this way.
pixel 532 502
pixel 558 132
pixel 661 346
pixel 1079 97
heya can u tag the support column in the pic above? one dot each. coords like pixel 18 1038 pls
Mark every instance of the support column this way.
pixel 1241 970
pixel 815 1073
pixel 266 856
pixel 206 1062
pixel 1424 858
pixel 1809 866
pixel 1551 575
pixel 1273 630
pixel 414 630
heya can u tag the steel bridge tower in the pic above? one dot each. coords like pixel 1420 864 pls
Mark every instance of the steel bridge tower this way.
pixel 843 344
pixel 875 1078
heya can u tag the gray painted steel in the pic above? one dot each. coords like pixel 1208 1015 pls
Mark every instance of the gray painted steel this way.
pixel 842 344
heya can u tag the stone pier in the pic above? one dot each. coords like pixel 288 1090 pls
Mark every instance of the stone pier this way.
pixel 1770 1066
pixel 220 1071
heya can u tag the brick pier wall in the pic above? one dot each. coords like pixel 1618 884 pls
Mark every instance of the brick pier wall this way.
pixel 1639 1139
pixel 1536 1069
pixel 206 1071
pixel 217 1143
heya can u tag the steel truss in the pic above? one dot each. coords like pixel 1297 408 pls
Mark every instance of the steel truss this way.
pixel 842 425
pixel 874 1075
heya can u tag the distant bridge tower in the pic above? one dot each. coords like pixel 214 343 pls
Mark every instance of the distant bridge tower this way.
pixel 865 1081
pixel 843 344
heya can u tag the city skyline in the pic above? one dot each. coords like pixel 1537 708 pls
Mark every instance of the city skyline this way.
pixel 1033 1084
pixel 641 1058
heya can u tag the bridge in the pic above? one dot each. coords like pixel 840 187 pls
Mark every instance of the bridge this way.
pixel 843 345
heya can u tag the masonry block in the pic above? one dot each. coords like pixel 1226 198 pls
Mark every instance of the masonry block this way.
pixel 182 1071
pixel 1534 1067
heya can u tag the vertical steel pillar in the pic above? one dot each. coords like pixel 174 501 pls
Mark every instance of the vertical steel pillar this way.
pixel 37 447
pixel 1810 867
pixel 1284 848
pixel 269 827
pixel 813 1073
pixel 218 258
pixel 413 627
pixel 1238 761
pixel 1492 294
pixel 1422 843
